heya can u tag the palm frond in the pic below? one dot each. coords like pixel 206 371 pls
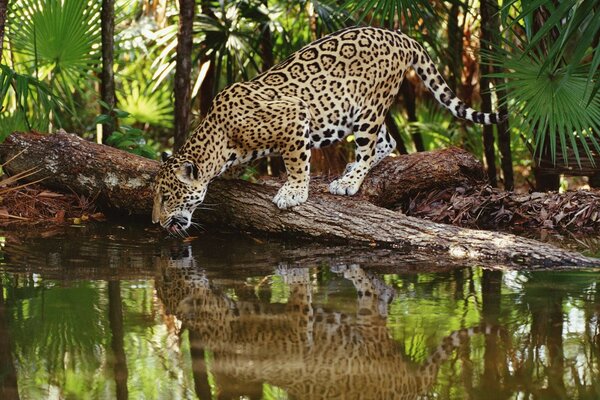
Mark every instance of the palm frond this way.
pixel 391 13
pixel 573 26
pixel 555 110
pixel 59 39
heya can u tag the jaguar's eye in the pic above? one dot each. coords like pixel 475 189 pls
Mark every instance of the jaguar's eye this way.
pixel 165 197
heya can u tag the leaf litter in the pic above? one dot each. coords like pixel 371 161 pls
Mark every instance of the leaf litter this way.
pixel 486 207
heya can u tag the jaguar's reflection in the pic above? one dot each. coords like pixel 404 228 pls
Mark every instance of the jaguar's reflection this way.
pixel 310 352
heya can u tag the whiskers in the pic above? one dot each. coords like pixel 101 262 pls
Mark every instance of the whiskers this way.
pixel 197 225
pixel 177 225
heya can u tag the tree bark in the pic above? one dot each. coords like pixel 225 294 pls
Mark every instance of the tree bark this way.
pixel 183 70
pixel 395 132
pixel 3 9
pixel 107 77
pixel 487 34
pixel 409 101
pixel 455 46
pixel 124 181
pixel 207 87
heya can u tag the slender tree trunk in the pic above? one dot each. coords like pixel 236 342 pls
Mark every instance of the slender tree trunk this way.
pixel 544 180
pixel 503 129
pixel 486 10
pixel 183 70
pixel 395 132
pixel 115 318
pixel 3 9
pixel 455 46
pixel 207 87
pixel 504 147
pixel 268 60
pixel 266 47
pixel 408 95
pixel 107 77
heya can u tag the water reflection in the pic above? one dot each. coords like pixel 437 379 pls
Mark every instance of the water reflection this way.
pixel 107 315
pixel 310 351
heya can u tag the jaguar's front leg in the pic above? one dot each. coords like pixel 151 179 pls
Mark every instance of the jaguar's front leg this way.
pixel 296 156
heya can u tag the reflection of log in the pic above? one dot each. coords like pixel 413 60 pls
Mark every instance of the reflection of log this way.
pixel 123 181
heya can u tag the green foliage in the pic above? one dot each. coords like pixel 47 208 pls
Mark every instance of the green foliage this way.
pixel 125 137
pixel 151 107
pixel 557 109
pixel 552 75
pixel 567 34
pixel 58 41
pixel 389 13
pixel 26 102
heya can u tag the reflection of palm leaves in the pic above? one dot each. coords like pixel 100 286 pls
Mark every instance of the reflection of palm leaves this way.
pixel 58 37
pixel 61 322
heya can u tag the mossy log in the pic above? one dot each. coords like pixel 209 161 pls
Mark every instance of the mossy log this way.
pixel 123 181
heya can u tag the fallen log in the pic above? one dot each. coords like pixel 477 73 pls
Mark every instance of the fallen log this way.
pixel 123 181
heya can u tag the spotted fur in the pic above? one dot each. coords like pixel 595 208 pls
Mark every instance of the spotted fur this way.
pixel 341 84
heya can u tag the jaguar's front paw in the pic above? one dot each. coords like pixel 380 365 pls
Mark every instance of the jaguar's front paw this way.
pixel 290 196
pixel 344 186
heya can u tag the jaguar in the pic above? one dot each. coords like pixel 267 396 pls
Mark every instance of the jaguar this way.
pixel 342 84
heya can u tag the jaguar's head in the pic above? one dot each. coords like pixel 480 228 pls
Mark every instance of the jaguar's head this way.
pixel 179 188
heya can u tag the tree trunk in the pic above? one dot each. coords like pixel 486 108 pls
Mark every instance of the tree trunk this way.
pixel 408 95
pixel 107 77
pixel 455 46
pixel 274 164
pixel 395 133
pixel 124 181
pixel 183 70
pixel 3 9
pixel 487 33
pixel 489 10
pixel 207 87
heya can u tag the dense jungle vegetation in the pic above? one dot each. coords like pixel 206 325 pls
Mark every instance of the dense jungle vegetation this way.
pixel 76 64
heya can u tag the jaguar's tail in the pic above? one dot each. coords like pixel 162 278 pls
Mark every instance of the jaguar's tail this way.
pixel 429 74
pixel 450 343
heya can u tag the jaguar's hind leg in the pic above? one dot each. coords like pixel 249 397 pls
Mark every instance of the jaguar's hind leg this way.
pixel 385 145
pixel 366 137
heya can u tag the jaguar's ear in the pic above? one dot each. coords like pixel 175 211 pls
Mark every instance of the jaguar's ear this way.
pixel 187 172
pixel 164 156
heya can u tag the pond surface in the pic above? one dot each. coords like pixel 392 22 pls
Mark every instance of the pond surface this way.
pixel 107 312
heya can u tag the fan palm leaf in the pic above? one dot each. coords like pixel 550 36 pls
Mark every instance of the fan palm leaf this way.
pixel 391 13
pixel 556 109
pixel 57 40
pixel 573 26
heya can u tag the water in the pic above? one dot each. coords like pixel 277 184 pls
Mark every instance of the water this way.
pixel 108 312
